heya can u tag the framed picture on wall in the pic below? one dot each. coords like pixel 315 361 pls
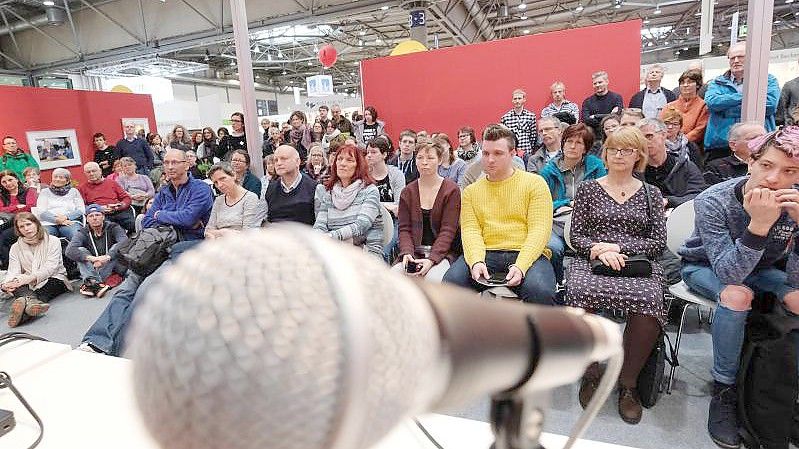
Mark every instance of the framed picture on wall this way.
pixel 53 149
pixel 141 125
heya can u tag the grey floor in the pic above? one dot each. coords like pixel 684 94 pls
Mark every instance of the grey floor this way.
pixel 677 421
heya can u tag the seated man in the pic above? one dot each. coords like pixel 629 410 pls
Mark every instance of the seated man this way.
pixel 549 128
pixel 744 227
pixel 94 249
pixel 184 203
pixel 109 195
pixel 737 164
pixel 290 197
pixel 678 179
pixel 506 221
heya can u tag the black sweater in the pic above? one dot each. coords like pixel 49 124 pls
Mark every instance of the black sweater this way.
pixel 297 205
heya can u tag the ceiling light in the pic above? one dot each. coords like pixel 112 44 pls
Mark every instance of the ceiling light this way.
pixel 526 31
pixel 579 7
pixel 657 10
pixel 523 17
pixel 685 48
pixel 257 77
pixel 666 43
pixel 649 44
pixel 522 5
pixel 48 3
pixel 362 33
pixel 310 63
pixel 617 3
pixel 256 49
pixel 269 56
pixel 232 63
pixel 284 72
pixel 360 42
pixel 646 21
pixel 788 1
pixel 280 54
pixel 384 7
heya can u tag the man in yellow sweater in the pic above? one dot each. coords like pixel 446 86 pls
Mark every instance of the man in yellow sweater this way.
pixel 506 220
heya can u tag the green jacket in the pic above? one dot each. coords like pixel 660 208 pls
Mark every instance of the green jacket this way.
pixel 17 163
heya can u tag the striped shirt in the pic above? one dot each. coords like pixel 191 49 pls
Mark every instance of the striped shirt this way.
pixel 361 221
pixel 566 106
pixel 523 125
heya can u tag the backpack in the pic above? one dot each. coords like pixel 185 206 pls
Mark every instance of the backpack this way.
pixel 148 249
pixel 650 379
pixel 767 381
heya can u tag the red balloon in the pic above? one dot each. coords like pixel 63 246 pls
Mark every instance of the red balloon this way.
pixel 328 55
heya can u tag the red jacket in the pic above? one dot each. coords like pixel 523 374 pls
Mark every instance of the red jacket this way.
pixel 105 193
pixel 444 219
pixel 11 207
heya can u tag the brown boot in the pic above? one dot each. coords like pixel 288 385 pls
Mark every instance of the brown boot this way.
pixel 629 405
pixel 589 383
pixel 35 308
pixel 16 315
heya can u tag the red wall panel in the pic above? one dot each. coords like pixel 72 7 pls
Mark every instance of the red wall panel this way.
pixel 87 112
pixel 444 89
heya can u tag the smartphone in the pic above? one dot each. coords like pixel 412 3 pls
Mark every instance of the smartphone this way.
pixel 412 267
pixel 498 278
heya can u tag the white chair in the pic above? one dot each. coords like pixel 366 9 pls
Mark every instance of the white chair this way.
pixel 388 225
pixel 567 229
pixel 679 227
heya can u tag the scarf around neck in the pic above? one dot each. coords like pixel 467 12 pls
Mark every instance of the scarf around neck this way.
pixel 301 135
pixel 344 196
pixel 677 146
pixel 60 191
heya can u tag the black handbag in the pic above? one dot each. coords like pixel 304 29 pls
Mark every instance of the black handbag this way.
pixel 637 266
pixel 650 379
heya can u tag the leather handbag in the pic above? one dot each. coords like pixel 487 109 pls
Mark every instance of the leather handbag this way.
pixel 636 266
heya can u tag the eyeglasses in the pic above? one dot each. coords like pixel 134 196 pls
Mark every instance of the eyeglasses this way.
pixel 672 125
pixel 235 120
pixel 173 163
pixel 238 160
pixel 621 151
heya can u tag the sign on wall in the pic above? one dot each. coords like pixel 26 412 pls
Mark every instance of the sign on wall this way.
pixel 319 85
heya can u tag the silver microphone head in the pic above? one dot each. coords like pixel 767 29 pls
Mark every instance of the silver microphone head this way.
pixel 282 339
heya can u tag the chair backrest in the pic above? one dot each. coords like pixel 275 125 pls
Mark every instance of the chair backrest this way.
pixel 680 226
pixel 567 229
pixel 388 225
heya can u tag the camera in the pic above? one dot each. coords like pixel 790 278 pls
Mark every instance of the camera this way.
pixel 412 267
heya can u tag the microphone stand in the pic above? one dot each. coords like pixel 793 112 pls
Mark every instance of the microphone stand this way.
pixel 517 420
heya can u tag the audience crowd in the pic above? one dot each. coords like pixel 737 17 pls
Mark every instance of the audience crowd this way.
pixel 491 209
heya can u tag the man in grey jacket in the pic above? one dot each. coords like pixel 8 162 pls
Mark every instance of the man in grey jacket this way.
pixel 744 227
pixel 94 250
pixel 789 100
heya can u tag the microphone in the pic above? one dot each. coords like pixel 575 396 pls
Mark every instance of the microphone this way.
pixel 286 339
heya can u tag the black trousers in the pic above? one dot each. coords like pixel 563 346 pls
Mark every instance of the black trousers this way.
pixel 52 288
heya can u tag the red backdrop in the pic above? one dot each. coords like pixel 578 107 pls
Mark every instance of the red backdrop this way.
pixel 471 85
pixel 40 109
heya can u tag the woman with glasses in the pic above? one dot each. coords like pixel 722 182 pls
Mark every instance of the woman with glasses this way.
pixel 608 125
pixel 677 143
pixel 236 140
pixel 240 162
pixel 468 148
pixel 616 217
pixel 691 106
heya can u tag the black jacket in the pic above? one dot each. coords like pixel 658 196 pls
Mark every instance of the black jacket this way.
pixel 683 183
pixel 724 168
pixel 637 101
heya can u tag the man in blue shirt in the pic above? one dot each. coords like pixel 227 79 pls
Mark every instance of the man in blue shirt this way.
pixel 184 203
pixel 136 148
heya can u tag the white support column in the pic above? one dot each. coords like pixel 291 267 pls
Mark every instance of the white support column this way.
pixel 247 85
pixel 758 46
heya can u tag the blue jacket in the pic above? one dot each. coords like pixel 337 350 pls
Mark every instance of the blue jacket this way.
pixel 187 208
pixel 724 104
pixel 593 168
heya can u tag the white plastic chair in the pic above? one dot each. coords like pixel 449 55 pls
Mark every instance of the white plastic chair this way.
pixel 388 225
pixel 679 227
pixel 567 229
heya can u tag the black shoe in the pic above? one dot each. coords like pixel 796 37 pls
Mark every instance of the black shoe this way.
pixel 722 420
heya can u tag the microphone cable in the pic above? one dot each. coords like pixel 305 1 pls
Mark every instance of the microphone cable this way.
pixel 5 380
pixel 427 434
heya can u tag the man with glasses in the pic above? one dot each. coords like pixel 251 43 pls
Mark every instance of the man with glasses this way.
pixel 15 159
pixel 522 123
pixel 549 128
pixel 342 123
pixel 134 147
pixel 405 160
pixel 678 179
pixel 653 98
pixel 737 164
pixel 724 97
pixel 184 203
pixel 560 103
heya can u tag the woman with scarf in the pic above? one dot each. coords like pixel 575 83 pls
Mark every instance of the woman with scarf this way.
pixel 317 132
pixel 36 272
pixel 349 203
pixel 678 143
pixel 240 161
pixel 237 140
pixel 316 167
pixel 331 132
pixel 60 207
pixel 14 198
pixel 274 140
pixel 208 147
pixel 299 136
pixel 468 148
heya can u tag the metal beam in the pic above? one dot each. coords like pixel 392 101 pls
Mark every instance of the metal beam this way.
pixel 72 27
pixel 10 32
pixel 758 45
pixel 115 22
pixel 40 31
pixel 200 13
pixel 14 61
pixel 143 21
pixel 241 34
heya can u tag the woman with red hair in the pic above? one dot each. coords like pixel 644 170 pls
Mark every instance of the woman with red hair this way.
pixel 349 203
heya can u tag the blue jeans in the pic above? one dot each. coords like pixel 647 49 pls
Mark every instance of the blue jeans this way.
pixel 537 287
pixel 87 270
pixel 728 325
pixel 390 249
pixel 558 246
pixel 63 231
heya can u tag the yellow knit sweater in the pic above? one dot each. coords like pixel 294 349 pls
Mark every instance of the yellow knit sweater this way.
pixel 510 215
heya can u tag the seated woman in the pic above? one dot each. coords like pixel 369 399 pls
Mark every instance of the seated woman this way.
pixel 33 179
pixel 608 124
pixel 235 209
pixel 429 213
pixel 139 187
pixel 677 143
pixel 452 166
pixel 316 166
pixel 389 181
pixel 14 198
pixel 60 207
pixel 563 174
pixel 269 169
pixel 36 272
pixel 612 220
pixel 240 163
pixel 349 203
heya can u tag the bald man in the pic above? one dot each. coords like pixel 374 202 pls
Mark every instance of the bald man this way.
pixel 108 194
pixel 290 197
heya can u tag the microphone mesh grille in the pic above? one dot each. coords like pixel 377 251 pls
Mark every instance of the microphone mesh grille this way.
pixel 242 344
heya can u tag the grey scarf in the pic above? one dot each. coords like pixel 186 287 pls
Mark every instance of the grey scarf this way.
pixel 344 196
